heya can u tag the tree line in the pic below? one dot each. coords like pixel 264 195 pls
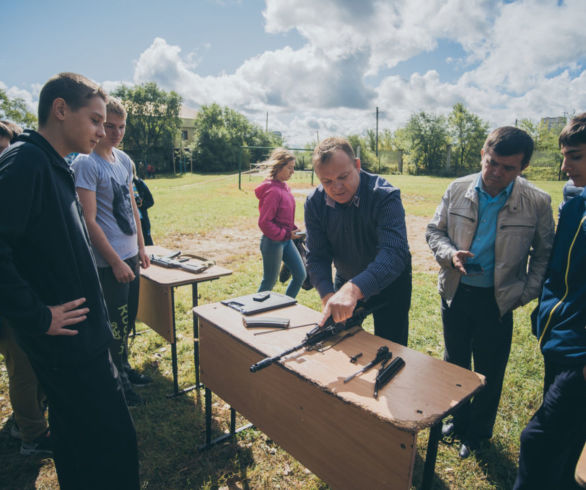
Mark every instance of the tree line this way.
pixel 429 144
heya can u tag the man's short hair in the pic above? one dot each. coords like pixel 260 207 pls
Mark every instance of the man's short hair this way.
pixel 15 128
pixel 279 158
pixel 75 89
pixel 115 106
pixel 574 133
pixel 5 131
pixel 326 149
pixel 509 140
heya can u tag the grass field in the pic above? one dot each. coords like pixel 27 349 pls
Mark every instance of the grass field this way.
pixel 209 215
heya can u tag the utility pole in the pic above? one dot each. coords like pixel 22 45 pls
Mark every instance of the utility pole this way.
pixel 267 124
pixel 376 151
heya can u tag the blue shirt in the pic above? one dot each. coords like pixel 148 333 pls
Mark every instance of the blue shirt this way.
pixel 366 239
pixel 483 243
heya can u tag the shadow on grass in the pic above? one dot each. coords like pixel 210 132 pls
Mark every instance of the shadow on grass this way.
pixel 500 470
pixel 437 484
pixel 170 432
pixel 17 471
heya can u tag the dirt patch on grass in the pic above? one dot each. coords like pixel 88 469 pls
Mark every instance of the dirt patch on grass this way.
pixel 229 245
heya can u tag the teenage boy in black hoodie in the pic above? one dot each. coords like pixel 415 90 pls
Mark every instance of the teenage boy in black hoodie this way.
pixel 50 291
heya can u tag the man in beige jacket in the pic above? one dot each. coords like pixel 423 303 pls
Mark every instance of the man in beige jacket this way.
pixel 492 235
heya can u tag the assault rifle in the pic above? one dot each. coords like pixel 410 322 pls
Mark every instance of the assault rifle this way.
pixel 319 334
pixel 172 262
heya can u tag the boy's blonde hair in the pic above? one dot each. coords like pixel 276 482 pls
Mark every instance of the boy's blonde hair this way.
pixel 114 106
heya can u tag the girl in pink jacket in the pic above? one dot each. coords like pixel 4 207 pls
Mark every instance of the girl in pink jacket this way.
pixel 276 221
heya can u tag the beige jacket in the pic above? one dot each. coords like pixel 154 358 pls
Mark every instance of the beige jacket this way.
pixel 525 231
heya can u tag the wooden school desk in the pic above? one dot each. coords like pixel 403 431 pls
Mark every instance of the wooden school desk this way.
pixel 156 305
pixel 339 431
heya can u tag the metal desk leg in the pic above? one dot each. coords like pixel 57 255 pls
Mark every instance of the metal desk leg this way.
pixel 174 348
pixel 176 391
pixel 208 403
pixel 429 469
pixel 194 302
pixel 208 421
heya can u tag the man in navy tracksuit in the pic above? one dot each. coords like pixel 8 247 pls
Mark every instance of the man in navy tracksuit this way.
pixel 552 441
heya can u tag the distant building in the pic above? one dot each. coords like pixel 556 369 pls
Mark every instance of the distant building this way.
pixel 553 122
pixel 187 130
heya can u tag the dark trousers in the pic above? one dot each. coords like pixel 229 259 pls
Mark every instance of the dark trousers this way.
pixel 26 396
pixel 94 441
pixel 391 321
pixel 122 303
pixel 474 330
pixel 552 441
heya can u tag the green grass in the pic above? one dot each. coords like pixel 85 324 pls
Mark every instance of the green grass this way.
pixel 169 431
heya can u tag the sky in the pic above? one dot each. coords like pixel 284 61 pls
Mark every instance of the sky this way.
pixel 317 67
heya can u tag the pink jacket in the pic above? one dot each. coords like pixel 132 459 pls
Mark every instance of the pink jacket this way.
pixel 277 209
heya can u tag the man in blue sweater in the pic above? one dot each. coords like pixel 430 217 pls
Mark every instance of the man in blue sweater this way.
pixel 552 441
pixel 356 220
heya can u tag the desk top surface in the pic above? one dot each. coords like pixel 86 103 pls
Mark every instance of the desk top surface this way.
pixel 177 277
pixel 420 395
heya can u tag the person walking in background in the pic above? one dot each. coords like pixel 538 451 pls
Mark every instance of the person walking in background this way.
pixel 492 236
pixel 144 201
pixel 277 223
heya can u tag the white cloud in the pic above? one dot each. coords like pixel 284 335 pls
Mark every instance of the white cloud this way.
pixel 30 96
pixel 518 59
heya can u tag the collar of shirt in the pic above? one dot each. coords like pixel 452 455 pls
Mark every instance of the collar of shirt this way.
pixel 506 192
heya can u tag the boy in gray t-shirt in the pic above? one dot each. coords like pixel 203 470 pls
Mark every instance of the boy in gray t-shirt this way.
pixel 104 183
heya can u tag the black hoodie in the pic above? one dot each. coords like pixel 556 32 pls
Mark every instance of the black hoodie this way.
pixel 45 255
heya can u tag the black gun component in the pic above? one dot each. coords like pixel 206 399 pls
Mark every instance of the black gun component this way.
pixel 281 329
pixel 355 357
pixel 171 262
pixel 386 373
pixel 382 354
pixel 266 321
pixel 319 334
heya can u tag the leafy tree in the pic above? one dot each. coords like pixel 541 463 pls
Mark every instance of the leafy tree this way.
pixel 152 123
pixel 529 127
pixel 428 141
pixel 220 134
pixel 468 133
pixel 15 110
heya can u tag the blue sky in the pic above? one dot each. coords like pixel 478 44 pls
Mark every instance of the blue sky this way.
pixel 313 65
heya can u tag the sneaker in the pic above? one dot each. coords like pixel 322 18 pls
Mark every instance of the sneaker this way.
pixel 132 398
pixel 138 379
pixel 40 446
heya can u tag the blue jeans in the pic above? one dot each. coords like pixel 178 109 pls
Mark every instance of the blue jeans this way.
pixel 273 253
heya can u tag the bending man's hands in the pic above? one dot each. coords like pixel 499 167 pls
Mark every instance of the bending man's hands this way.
pixel 65 315
pixel 341 304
